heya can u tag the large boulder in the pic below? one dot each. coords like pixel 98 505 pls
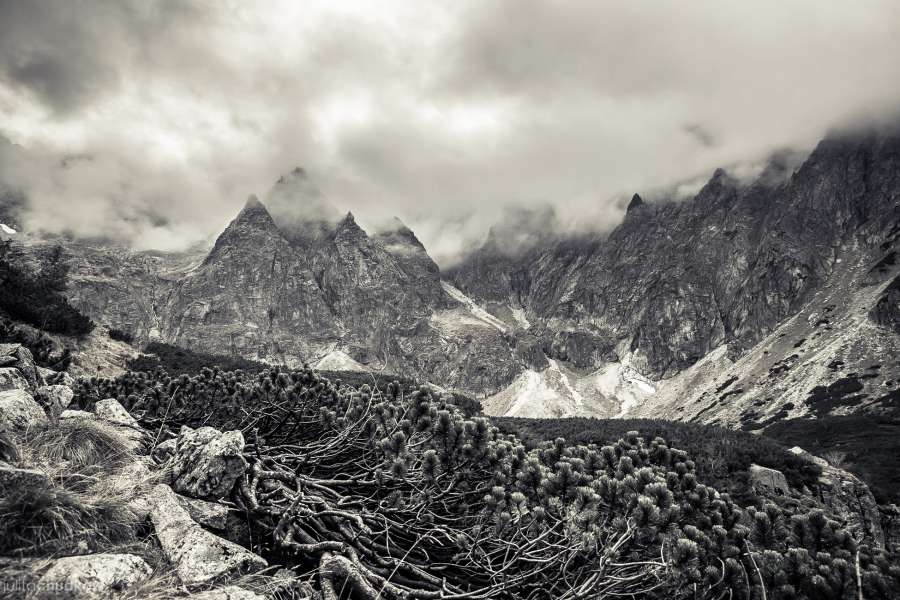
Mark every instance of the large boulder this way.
pixel 54 398
pixel 18 410
pixel 849 498
pixel 111 410
pixel 207 462
pixel 198 556
pixel 19 357
pixel 768 481
pixel 12 379
pixel 91 576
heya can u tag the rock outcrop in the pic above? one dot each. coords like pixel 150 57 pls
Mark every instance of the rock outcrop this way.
pixel 18 410
pixel 890 524
pixel 54 398
pixel 11 379
pixel 768 482
pixel 207 462
pixel 848 497
pixel 89 577
pixel 19 357
pixel 111 410
pixel 199 557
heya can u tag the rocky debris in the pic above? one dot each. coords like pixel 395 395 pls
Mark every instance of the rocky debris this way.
pixel 89 577
pixel 13 478
pixel 231 592
pixel 768 481
pixel 11 379
pixel 110 410
pixel 207 462
pixel 208 514
pixel 54 398
pixel 18 356
pixel 198 556
pixel 18 410
pixel 848 497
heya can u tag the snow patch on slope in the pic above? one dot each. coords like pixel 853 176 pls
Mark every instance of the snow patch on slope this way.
pixel 611 391
pixel 337 360
pixel 7 229
pixel 473 308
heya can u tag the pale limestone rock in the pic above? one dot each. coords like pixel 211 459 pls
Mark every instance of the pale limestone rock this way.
pixel 12 379
pixel 18 356
pixel 198 556
pixel 91 576
pixel 76 414
pixel 850 499
pixel 207 462
pixel 18 410
pixel 768 481
pixel 54 398
pixel 111 410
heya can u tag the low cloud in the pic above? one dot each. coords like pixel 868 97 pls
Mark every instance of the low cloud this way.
pixel 152 121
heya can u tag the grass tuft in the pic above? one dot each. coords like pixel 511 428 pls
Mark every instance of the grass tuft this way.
pixel 46 518
pixel 80 443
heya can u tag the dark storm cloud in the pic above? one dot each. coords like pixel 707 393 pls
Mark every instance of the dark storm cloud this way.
pixel 155 119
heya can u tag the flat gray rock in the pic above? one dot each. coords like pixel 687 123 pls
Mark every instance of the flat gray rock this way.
pixel 198 556
pixel 91 576
pixel 18 410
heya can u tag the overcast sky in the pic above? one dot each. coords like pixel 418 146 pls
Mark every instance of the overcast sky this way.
pixel 153 120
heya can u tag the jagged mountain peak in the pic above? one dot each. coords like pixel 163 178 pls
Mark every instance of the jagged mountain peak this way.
pixel 253 204
pixel 636 201
pixel 295 174
pixel 254 212
pixel 302 212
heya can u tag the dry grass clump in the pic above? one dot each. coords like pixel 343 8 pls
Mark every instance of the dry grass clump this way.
pixel 86 502
pixel 81 443
pixel 44 517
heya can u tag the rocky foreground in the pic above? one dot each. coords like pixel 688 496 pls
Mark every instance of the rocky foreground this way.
pixel 118 510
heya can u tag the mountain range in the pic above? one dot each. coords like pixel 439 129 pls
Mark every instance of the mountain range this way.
pixel 742 305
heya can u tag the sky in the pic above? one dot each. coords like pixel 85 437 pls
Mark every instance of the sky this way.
pixel 151 121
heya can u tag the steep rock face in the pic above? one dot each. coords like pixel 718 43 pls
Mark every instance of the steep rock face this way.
pixel 677 280
pixel 886 311
pixel 402 244
pixel 250 296
pixel 850 498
